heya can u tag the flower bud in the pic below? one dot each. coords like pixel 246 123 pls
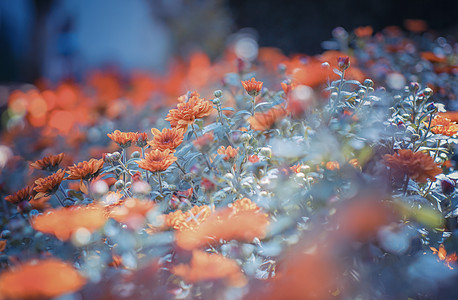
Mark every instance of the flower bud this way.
pixel 370 89
pixel 428 92
pixel 305 169
pixel 361 93
pixel 188 177
pixel 6 234
pixel 245 138
pixel 135 154
pixel 397 98
pixel 343 62
pixel 229 176
pixel 119 184
pixel 368 83
pixel 281 68
pixel 265 151
pixel 448 186
pixel 334 95
pixel 218 93
pixel 216 101
pixel 325 65
pixel 172 187
pixel 116 156
pixel 414 86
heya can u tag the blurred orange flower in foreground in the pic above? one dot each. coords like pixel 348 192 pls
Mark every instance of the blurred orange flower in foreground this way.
pixel 40 279
pixel 132 212
pixel 167 138
pixel 187 112
pixel 64 222
pixel 188 220
pixel 157 160
pixel 242 222
pixel 302 276
pixel 206 266
pixel 417 165
pixel 265 120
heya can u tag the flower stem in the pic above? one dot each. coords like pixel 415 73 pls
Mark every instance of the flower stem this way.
pixel 160 181
pixel 254 104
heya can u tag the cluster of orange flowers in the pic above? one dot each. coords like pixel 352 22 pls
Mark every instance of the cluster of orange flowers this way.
pixel 126 139
pixel 40 279
pixel 229 152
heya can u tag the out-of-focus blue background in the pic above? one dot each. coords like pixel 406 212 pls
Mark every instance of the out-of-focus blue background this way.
pixel 65 38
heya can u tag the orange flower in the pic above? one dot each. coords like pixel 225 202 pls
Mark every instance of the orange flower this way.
pixel 287 87
pixel 332 165
pixel 132 212
pixel 187 112
pixel 64 222
pixel 227 224
pixel 24 194
pixel 157 160
pixel 206 266
pixel 123 139
pixel 228 152
pixel 49 185
pixel 2 245
pixel 253 158
pixel 167 139
pixel 354 163
pixel 85 170
pixel 416 26
pixel 363 31
pixel 252 87
pixel 188 220
pixel 442 254
pixel 417 165
pixel 265 121
pixel 244 204
pixel 441 125
pixel 49 163
pixel 40 279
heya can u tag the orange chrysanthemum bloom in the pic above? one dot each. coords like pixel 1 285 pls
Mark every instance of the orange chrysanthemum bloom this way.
pixel 49 163
pixel 49 185
pixel 24 194
pixel 227 224
pixel 264 121
pixel 40 279
pixel 123 139
pixel 187 112
pixel 64 222
pixel 190 219
pixel 167 139
pixel 416 165
pixel 132 212
pixel 441 125
pixel 157 160
pixel 228 152
pixel 288 87
pixel 85 170
pixel 252 87
pixel 442 254
pixel 204 267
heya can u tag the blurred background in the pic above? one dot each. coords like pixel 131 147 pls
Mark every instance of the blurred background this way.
pixel 61 39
